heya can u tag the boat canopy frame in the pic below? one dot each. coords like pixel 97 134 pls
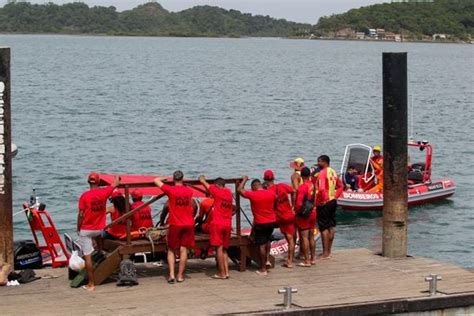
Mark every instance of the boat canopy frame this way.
pixel 195 185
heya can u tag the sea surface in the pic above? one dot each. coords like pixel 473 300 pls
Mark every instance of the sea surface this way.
pixel 229 107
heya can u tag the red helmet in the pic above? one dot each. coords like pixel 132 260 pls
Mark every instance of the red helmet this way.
pixel 93 178
pixel 268 175
pixel 136 195
pixel 115 193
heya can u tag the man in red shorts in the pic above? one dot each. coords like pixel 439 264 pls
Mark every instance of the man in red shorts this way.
pixel 284 212
pixel 306 224
pixel 142 218
pixel 221 223
pixel 91 219
pixel 264 219
pixel 181 221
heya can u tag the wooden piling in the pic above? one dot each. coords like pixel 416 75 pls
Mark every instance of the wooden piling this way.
pixel 6 210
pixel 395 138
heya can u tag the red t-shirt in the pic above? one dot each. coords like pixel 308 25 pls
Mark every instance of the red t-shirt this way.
pixel 119 229
pixel 142 218
pixel 304 190
pixel 180 205
pixel 262 204
pixel 329 186
pixel 222 213
pixel 93 204
pixel 284 211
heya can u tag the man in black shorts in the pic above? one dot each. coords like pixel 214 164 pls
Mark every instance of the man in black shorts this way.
pixel 262 203
pixel 329 189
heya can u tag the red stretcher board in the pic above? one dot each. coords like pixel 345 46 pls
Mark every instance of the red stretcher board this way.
pixel 108 179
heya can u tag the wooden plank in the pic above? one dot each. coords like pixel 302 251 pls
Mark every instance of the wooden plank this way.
pixel 107 267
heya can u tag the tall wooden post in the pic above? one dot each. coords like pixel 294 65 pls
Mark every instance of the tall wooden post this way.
pixel 395 137
pixel 6 210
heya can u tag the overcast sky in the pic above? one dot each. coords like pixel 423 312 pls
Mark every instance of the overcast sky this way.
pixel 294 10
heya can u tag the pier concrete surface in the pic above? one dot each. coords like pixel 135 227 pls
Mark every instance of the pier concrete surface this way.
pixel 352 282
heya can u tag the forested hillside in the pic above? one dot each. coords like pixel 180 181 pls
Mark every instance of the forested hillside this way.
pixel 147 19
pixel 454 17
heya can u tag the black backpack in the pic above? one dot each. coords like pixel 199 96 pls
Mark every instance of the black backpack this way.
pixel 128 274
pixel 308 205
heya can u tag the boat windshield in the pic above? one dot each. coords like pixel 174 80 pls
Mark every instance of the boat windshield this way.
pixel 358 156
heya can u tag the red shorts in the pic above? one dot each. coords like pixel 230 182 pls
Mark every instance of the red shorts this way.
pixel 180 236
pixel 306 223
pixel 220 236
pixel 286 227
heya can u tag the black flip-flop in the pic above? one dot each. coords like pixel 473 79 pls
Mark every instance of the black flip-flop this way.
pixel 171 281
pixel 180 281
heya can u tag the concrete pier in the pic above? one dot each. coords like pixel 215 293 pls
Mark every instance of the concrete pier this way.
pixel 353 282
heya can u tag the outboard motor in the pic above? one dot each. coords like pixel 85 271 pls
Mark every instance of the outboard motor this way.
pixel 27 255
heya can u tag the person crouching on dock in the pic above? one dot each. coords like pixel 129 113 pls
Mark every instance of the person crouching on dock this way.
pixel 91 220
pixel 264 219
pixel 284 212
pixel 221 223
pixel 181 221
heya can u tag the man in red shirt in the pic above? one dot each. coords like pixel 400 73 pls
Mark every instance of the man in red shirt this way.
pixel 204 218
pixel 264 219
pixel 221 223
pixel 329 188
pixel 91 219
pixel 284 212
pixel 181 221
pixel 306 224
pixel 142 218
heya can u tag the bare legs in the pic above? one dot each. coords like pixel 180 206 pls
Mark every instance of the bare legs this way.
pixel 327 238
pixel 312 246
pixel 291 250
pixel 171 263
pixel 222 263
pixel 262 252
pixel 90 272
pixel 183 259
pixel 304 242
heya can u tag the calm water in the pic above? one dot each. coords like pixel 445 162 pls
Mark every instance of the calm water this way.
pixel 227 107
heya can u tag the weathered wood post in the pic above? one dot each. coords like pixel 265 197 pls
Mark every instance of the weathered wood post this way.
pixel 6 210
pixel 395 137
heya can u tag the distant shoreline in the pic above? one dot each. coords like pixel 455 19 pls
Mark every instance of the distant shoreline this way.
pixel 389 41
pixel 234 37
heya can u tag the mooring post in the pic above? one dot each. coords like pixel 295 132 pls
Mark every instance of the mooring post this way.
pixel 395 138
pixel 6 210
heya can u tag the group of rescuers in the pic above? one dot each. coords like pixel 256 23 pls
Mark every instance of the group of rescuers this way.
pixel 272 205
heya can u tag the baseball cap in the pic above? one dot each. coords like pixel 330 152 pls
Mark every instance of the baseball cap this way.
pixel 136 195
pixel 377 148
pixel 268 175
pixel 93 178
pixel 297 164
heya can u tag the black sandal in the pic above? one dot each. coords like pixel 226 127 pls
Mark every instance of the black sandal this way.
pixel 171 281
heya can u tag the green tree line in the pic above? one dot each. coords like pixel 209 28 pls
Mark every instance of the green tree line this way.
pixel 454 17
pixel 147 19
